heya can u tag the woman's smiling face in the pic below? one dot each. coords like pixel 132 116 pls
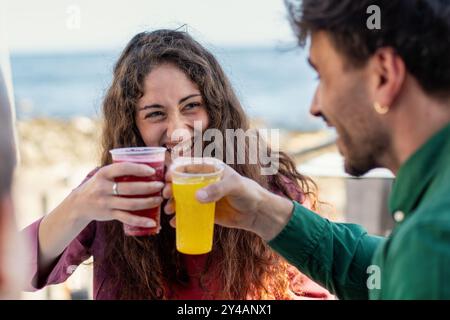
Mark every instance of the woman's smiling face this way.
pixel 171 103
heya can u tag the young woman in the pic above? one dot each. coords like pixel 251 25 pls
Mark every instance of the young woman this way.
pixel 163 81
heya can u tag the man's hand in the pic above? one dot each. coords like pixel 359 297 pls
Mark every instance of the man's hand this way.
pixel 242 203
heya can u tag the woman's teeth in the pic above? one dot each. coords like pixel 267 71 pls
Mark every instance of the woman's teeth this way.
pixel 181 146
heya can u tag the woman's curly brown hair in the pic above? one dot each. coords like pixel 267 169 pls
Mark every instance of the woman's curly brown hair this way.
pixel 242 264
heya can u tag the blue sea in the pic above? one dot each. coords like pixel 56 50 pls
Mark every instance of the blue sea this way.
pixel 274 84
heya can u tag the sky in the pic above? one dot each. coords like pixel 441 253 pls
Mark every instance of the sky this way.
pixel 63 25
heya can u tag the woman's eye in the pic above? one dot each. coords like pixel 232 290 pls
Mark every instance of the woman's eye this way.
pixel 154 114
pixel 191 106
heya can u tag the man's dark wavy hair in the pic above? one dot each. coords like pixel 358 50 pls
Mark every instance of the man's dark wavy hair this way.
pixel 418 30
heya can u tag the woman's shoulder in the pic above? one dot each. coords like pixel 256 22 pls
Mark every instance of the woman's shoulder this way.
pixel 303 287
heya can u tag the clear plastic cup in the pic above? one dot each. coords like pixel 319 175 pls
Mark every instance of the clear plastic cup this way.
pixel 194 220
pixel 153 157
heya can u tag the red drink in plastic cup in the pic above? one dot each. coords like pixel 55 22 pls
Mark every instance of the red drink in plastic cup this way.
pixel 153 157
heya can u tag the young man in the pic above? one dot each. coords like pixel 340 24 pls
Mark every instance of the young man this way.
pixel 387 92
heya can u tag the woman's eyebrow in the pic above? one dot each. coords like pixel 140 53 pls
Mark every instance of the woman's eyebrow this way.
pixel 158 106
pixel 188 97
pixel 153 106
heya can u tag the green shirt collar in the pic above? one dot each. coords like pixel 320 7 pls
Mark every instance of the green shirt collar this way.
pixel 416 173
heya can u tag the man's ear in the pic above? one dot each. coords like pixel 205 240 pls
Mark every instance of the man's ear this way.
pixel 388 75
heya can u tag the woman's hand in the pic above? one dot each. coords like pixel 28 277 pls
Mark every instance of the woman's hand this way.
pixel 95 199
pixel 241 203
pixel 167 193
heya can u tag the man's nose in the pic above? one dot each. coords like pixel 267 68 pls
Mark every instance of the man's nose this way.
pixel 315 108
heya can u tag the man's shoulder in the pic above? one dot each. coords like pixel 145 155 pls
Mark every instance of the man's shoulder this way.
pixel 428 225
pixel 435 204
pixel 418 255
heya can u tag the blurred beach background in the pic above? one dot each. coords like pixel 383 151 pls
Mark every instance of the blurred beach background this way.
pixel 62 54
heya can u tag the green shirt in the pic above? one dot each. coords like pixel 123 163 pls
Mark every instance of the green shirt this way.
pixel 412 263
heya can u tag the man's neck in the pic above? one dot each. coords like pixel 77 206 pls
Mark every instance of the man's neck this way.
pixel 413 124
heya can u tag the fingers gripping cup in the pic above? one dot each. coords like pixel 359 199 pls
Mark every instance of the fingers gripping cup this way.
pixel 150 156
pixel 194 220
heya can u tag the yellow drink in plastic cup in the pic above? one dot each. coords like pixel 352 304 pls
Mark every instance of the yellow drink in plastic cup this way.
pixel 194 220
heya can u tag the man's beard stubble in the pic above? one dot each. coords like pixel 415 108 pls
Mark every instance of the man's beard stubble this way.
pixel 364 152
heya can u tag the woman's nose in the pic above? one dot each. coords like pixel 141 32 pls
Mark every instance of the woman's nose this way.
pixel 177 129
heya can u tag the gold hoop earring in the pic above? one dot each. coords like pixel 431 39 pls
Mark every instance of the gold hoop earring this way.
pixel 380 109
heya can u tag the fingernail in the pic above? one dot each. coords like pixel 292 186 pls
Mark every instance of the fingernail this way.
pixel 150 223
pixel 202 195
pixel 150 170
pixel 170 209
